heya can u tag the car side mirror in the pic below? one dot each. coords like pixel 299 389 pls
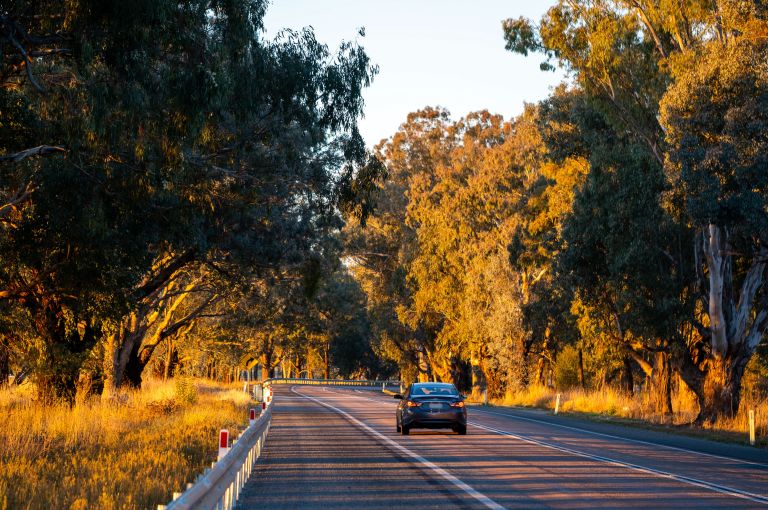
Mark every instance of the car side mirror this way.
pixel 398 396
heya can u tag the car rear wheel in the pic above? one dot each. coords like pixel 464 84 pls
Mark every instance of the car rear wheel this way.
pixel 461 430
pixel 398 425
pixel 404 430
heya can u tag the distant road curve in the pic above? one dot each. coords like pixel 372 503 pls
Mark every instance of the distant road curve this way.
pixel 337 448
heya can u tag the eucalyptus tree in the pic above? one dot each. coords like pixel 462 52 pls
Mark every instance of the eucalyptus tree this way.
pixel 716 116
pixel 381 250
pixel 165 134
pixel 629 57
pixel 554 172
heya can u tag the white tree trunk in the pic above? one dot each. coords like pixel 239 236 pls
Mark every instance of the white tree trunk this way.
pixel 714 253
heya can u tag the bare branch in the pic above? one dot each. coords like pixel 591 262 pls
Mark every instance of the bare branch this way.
pixel 21 196
pixel 191 316
pixel 164 275
pixel 27 61
pixel 40 150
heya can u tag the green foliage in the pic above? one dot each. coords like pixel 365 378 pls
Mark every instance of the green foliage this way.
pixel 651 190
pixel 521 37
pixel 716 117
pixel 182 138
pixel 567 368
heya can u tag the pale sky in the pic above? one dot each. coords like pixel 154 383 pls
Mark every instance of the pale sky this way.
pixel 447 53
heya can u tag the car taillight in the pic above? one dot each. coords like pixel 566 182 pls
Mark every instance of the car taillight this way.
pixel 411 403
pixel 457 404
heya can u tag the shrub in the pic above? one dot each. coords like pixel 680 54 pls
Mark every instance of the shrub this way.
pixel 567 368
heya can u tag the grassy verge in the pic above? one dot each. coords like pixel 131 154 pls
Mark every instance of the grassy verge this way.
pixel 611 406
pixel 133 452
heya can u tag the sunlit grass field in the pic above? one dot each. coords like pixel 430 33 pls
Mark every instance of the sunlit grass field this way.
pixel 133 452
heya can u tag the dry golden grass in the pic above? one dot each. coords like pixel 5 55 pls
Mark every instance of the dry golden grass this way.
pixel 605 401
pixel 740 422
pixel 133 452
pixel 610 403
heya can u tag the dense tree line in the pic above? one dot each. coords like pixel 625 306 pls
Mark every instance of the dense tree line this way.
pixel 624 216
pixel 178 191
pixel 166 172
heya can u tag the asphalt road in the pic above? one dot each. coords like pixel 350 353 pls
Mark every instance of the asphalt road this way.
pixel 337 448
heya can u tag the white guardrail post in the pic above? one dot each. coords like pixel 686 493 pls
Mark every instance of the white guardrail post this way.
pixel 329 382
pixel 219 487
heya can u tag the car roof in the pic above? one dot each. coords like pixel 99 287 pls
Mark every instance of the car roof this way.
pixel 433 384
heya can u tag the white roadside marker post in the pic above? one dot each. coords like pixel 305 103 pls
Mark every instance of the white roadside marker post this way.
pixel 251 416
pixel 752 427
pixel 557 404
pixel 223 443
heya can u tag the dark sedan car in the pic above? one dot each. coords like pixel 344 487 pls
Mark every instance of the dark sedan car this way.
pixel 431 406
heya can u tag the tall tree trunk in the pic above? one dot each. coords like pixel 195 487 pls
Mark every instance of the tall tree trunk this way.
pixel 120 351
pixel 424 366
pixel 524 347
pixel 171 357
pixel 62 355
pixel 479 383
pixel 580 373
pixel 721 388
pixel 540 366
pixel 662 384
pixel 738 318
pixel 5 364
pixel 326 364
pixel 627 378
pixel 267 359
pixel 541 363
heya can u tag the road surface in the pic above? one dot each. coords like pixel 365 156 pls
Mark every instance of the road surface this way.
pixel 337 448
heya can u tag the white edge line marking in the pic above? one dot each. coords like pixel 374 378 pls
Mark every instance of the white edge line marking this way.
pixel 485 500
pixel 625 439
pixel 757 498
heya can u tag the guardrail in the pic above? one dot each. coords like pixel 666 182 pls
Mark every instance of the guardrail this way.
pixel 220 487
pixel 330 382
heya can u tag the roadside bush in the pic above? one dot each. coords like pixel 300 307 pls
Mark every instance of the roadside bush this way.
pixel 186 391
pixel 567 368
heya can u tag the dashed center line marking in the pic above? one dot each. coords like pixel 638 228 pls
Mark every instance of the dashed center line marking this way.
pixel 482 498
pixel 757 498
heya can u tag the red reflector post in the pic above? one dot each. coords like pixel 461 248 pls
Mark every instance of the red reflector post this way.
pixel 223 443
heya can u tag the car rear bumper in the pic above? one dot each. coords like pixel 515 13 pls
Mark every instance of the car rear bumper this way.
pixel 429 419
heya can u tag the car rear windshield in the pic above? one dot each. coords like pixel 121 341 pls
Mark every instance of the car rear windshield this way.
pixel 439 390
